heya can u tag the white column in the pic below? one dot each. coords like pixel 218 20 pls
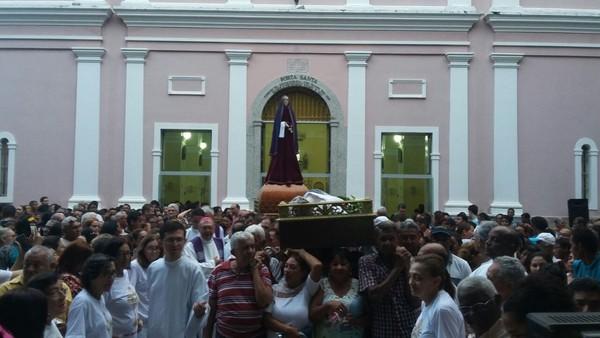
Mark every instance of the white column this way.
pixel 506 144
pixel 244 3
pixel 236 137
pixel 593 170
pixel 506 3
pixel 458 145
pixel 133 160
pixel 360 3
pixel 459 3
pixel 355 145
pixel 87 125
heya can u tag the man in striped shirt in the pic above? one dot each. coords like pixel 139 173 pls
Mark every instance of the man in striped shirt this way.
pixel 239 291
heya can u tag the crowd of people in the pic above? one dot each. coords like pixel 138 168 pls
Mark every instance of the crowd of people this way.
pixel 193 270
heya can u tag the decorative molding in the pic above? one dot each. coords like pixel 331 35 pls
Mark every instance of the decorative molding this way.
pixel 298 41
pixel 135 55
pixel 545 44
pixel 357 58
pixel 543 20
pixel 200 79
pixel 10 177
pixel 214 154
pixel 456 60
pixel 237 56
pixel 422 83
pixel 51 37
pixel 390 18
pixel 54 13
pixel 506 60
pixel 88 54
pixel 435 160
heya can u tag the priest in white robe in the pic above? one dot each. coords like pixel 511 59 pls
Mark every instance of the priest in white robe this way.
pixel 177 288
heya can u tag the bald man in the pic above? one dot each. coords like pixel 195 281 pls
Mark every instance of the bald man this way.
pixel 457 268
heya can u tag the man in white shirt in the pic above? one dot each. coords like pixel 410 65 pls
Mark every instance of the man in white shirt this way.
pixel 178 289
pixel 206 249
pixel 194 231
pixel 502 241
pixel 458 268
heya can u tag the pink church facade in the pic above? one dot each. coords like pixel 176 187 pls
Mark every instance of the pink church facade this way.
pixel 500 95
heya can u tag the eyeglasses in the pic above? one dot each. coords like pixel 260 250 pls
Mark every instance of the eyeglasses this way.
pixel 475 308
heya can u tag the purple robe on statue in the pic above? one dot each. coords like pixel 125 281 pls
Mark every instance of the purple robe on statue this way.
pixel 284 168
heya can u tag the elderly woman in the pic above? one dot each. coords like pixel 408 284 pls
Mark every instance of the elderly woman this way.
pixel 440 316
pixel 337 306
pixel 88 316
pixel 50 284
pixel 122 299
pixel 289 311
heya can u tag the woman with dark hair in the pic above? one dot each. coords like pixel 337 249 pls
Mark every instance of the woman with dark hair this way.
pixel 148 252
pixel 88 316
pixel 121 300
pixel 50 284
pixel 430 282
pixel 70 264
pixel 289 311
pixel 23 313
pixel 536 261
pixel 337 307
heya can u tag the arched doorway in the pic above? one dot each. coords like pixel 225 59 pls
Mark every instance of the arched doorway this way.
pixel 303 90
pixel 312 116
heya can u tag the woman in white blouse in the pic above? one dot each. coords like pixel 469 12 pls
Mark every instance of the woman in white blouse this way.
pixel 88 316
pixel 121 300
pixel 288 314
pixel 148 251
pixel 440 317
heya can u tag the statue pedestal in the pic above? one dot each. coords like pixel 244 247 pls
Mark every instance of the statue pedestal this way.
pixel 270 195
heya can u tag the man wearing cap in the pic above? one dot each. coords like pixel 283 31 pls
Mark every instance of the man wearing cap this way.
pixel 545 242
pixel 458 268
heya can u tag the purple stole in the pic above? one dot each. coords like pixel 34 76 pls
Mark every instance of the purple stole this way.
pixel 199 248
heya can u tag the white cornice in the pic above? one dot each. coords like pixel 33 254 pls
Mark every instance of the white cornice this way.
pixel 315 41
pixel 53 13
pixel 543 20
pixel 313 18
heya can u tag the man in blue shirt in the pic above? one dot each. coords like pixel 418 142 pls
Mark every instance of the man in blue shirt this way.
pixel 584 246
